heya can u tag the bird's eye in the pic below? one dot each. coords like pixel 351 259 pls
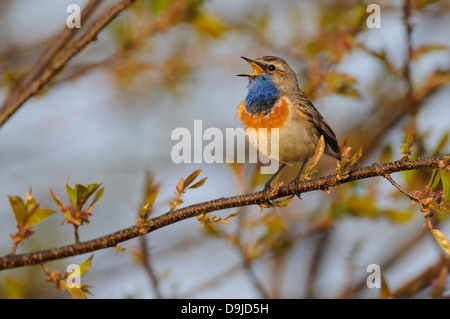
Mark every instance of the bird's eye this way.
pixel 271 67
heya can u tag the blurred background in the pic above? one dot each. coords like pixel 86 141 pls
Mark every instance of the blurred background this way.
pixel 160 65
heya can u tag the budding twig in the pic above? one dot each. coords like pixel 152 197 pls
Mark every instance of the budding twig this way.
pixel 322 183
pixel 401 189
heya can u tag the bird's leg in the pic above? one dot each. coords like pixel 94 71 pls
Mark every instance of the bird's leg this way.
pixel 267 187
pixel 298 179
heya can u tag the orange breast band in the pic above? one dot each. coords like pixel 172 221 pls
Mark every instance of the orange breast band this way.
pixel 275 119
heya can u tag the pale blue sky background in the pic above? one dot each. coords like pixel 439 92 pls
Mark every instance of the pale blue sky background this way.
pixel 88 131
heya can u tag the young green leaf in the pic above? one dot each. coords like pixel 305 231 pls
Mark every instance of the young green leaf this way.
pixel 284 202
pixel 199 183
pixel 320 149
pixel 91 189
pixel 180 186
pixel 31 201
pixel 445 179
pixel 38 215
pixel 80 191
pixel 406 148
pixel 19 208
pixel 72 194
pixel 191 178
pixel 355 158
pixel 58 202
pixel 148 204
pixel 76 293
pixel 442 240
pixel 435 179
pixel 27 215
pixel 98 195
pixel 233 214
pixel 85 266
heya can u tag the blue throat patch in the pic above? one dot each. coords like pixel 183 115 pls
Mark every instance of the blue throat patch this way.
pixel 262 95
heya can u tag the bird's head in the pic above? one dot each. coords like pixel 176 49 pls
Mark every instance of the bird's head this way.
pixel 274 69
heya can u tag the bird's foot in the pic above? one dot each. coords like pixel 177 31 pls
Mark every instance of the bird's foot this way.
pixel 267 193
pixel 296 182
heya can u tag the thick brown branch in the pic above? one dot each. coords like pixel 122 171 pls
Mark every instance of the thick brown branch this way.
pixel 9 108
pixel 46 59
pixel 322 183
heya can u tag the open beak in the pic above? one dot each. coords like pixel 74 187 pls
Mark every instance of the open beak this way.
pixel 257 69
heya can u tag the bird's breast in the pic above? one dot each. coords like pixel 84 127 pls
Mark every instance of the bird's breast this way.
pixel 276 118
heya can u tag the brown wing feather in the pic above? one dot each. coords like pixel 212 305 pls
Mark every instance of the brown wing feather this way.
pixel 308 111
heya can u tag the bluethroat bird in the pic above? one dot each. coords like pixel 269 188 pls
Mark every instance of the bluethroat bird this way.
pixel 274 100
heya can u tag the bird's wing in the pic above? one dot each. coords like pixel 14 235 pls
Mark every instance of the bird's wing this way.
pixel 307 110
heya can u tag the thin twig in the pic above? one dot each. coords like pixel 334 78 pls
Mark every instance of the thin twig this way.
pixel 255 281
pixel 13 249
pixel 150 187
pixel 77 237
pixel 148 267
pixel 208 284
pixel 171 217
pixel 59 43
pixel 48 73
pixel 247 264
pixel 401 189
pixel 46 270
pixel 315 264
pixel 409 53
